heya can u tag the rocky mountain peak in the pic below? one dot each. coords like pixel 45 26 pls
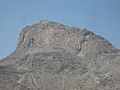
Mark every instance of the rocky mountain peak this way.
pixel 48 34
pixel 53 56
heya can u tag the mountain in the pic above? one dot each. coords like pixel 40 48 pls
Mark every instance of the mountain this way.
pixel 53 56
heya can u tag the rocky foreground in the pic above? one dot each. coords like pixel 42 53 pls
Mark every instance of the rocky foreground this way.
pixel 53 56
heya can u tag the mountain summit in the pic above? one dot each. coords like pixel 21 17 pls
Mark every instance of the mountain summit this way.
pixel 53 56
pixel 48 34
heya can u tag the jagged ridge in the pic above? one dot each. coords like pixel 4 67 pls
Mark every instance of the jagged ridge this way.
pixel 53 56
pixel 48 34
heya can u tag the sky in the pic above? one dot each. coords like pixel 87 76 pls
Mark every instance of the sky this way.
pixel 100 16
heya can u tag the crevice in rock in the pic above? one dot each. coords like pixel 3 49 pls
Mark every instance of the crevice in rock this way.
pixel 30 42
pixel 81 44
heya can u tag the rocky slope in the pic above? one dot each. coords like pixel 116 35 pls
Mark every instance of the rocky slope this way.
pixel 53 56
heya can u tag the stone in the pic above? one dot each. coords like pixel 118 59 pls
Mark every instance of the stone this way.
pixel 53 56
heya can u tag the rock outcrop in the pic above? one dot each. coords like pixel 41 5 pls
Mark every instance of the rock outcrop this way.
pixel 53 56
pixel 48 34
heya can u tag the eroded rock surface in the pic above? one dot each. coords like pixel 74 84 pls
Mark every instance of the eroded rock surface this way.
pixel 53 56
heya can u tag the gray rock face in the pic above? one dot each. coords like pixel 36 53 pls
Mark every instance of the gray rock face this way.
pixel 48 34
pixel 53 56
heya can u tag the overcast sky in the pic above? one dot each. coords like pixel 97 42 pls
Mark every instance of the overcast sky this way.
pixel 99 16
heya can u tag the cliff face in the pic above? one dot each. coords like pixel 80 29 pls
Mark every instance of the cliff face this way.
pixel 48 34
pixel 53 56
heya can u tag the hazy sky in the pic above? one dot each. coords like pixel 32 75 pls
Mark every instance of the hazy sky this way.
pixel 99 16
